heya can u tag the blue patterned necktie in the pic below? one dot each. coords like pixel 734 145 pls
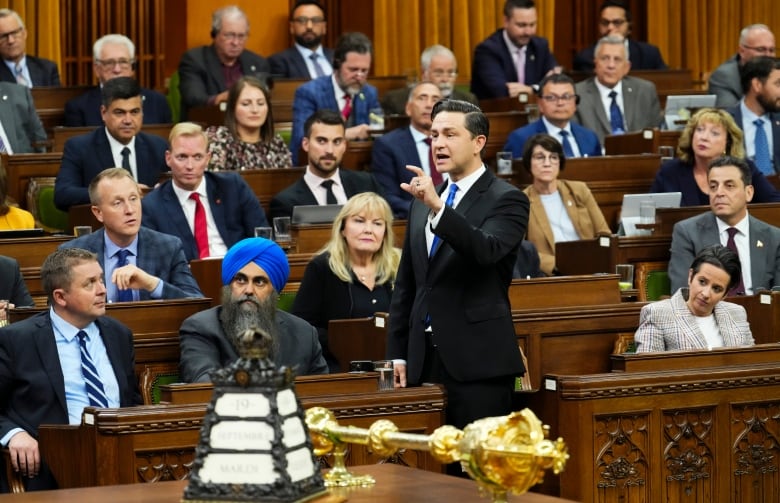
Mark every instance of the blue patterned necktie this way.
pixel 615 117
pixel 567 150
pixel 20 78
pixel 762 159
pixel 450 198
pixel 123 295
pixel 317 67
pixel 95 391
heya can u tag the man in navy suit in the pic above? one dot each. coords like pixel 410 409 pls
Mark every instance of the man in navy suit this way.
pixel 19 67
pixel 557 102
pixel 41 377
pixel 139 263
pixel 119 143
pixel 401 147
pixel 114 56
pixel 615 19
pixel 307 59
pixel 345 90
pixel 512 60
pixel 323 182
pixel 207 73
pixel 761 101
pixel 230 210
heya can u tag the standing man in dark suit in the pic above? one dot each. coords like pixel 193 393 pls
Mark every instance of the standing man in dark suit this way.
pixel 42 377
pixel 761 102
pixel 557 102
pixel 512 60
pixel 139 263
pixel 401 147
pixel 615 19
pixel 119 143
pixel 13 290
pixel 612 102
pixel 113 56
pixel 757 243
pixel 307 59
pixel 19 67
pixel 450 318
pixel 208 211
pixel 206 73
pixel 323 182
pixel 345 90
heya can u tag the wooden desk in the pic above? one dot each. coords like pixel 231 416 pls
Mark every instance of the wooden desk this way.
pixel 665 218
pixel 601 255
pixel 358 339
pixel 62 134
pixel 564 291
pixel 31 252
pixel 669 361
pixel 266 183
pixel 647 141
pixel 50 103
pixel 20 168
pixel 394 484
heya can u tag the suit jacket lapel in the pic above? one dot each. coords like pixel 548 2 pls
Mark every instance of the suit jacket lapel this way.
pixel 757 254
pixel 47 351
pixel 114 356
pixel 298 61
pixel 215 195
pixel 214 67
pixel 630 104
pixel 304 195
pixel 689 328
pixel 540 218
pixel 597 107
pixel 103 148
pixel 174 211
pixel 774 120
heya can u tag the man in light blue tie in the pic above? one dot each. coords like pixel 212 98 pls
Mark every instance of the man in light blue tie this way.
pixel 758 112
pixel 55 363
pixel 307 58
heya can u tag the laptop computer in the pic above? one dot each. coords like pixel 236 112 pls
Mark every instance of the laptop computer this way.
pixel 629 212
pixel 315 214
pixel 679 108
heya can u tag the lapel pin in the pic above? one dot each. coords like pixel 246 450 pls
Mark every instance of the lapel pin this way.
pixel 759 244
pixel 568 202
pixel 5 97
pixel 252 68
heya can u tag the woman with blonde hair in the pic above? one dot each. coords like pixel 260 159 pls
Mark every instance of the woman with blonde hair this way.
pixel 709 134
pixel 247 140
pixel 353 274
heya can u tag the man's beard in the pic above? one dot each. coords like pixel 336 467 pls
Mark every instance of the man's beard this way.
pixel 309 43
pixel 769 106
pixel 446 89
pixel 247 312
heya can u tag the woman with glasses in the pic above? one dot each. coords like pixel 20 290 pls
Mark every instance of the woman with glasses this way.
pixel 247 140
pixel 561 210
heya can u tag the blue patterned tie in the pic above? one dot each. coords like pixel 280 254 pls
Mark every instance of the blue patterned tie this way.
pixel 450 198
pixel 123 295
pixel 762 159
pixel 95 392
pixel 567 150
pixel 615 117
pixel 317 67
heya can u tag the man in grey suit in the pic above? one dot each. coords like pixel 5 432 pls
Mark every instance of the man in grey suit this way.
pixel 725 83
pixel 139 263
pixel 612 102
pixel 20 127
pixel 757 243
pixel 254 271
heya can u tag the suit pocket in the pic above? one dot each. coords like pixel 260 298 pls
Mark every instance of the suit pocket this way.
pixel 485 312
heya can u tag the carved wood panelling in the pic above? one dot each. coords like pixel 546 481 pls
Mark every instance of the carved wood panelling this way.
pixel 755 430
pixel 688 450
pixel 622 448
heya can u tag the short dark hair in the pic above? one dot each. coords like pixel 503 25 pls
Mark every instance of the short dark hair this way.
pixel 511 5
pixel 350 42
pixel 476 122
pixel 554 78
pixel 322 116
pixel 616 3
pixel 267 129
pixel 547 142
pixel 757 68
pixel 56 271
pixel 737 162
pixel 316 3
pixel 120 88
pixel 722 258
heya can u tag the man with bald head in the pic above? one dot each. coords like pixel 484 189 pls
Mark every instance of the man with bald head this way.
pixel 725 83
pixel 254 271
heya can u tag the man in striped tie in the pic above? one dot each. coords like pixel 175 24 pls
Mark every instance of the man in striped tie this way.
pixel 56 363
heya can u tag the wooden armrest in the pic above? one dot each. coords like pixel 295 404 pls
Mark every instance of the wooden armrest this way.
pixel 15 484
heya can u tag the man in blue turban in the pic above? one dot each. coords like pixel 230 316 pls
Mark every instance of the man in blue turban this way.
pixel 254 271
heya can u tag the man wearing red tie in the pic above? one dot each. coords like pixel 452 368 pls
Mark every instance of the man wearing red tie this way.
pixel 208 211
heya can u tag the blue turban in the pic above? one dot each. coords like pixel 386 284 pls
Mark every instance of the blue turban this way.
pixel 263 252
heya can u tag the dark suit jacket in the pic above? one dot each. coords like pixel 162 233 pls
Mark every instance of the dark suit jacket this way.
pixel 318 94
pixel 493 65
pixel 774 123
pixel 200 74
pixel 725 83
pixel 234 206
pixel 32 386
pixel 690 236
pixel 84 110
pixel 42 72
pixel 12 287
pixel 20 120
pixel 390 154
pixel 205 347
pixel 587 141
pixel 643 56
pixel 159 254
pixel 640 103
pixel 298 194
pixel 677 176
pixel 87 155
pixel 289 64
pixel 463 287
pixel 394 102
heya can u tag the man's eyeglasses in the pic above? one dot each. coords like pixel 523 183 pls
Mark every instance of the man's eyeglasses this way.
pixel 617 23
pixel 124 64
pixel 235 36
pixel 303 20
pixel 552 98
pixel 761 50
pixel 5 37
pixel 443 73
